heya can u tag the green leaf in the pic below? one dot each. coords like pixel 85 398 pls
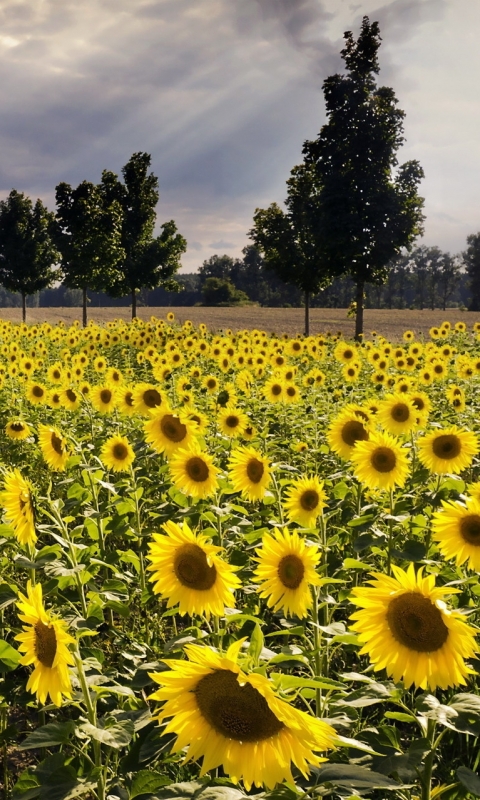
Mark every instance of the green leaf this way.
pixel 357 522
pixel 117 735
pixel 293 682
pixel 54 733
pixel 7 595
pixel 352 563
pixel 400 716
pixel 256 643
pixel 147 782
pixel 195 789
pixel 9 657
pixel 354 777
pixel 470 780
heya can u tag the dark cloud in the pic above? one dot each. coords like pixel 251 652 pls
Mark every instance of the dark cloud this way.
pixel 221 244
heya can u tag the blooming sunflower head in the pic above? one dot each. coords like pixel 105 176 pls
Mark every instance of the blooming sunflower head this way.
pixel 345 431
pixel 53 446
pixel 17 500
pixel 233 718
pixel 167 431
pixel 193 472
pixel 305 501
pixel 456 528
pixel 249 472
pixel 380 462
pixel 397 414
pixel 448 450
pixel 188 571
pixel 117 453
pixel 44 643
pixel 17 429
pixel 406 628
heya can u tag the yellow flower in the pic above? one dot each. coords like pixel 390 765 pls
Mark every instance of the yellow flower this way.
pixel 193 472
pixel 36 393
pixel 286 570
pixel 53 446
pixel 406 628
pixel 16 429
pixel 397 414
pixel 232 422
pixel 249 473
pixel 104 398
pixel 448 450
pixel 234 719
pixel 188 572
pixel 117 453
pixel 18 504
pixel 44 642
pixel 146 398
pixel 305 501
pixel 345 431
pixel 380 462
pixel 457 531
pixel 167 432
pixel 273 390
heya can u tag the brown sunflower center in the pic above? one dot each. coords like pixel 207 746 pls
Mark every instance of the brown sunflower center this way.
pixel 211 383
pixel 447 446
pixel 152 398
pixel 17 427
pixel 172 428
pixel 37 391
pixel 470 529
pixel 400 412
pixel 105 396
pixel 255 470
pixel 309 500
pixel 291 391
pixel 232 421
pixel 353 431
pixel 120 451
pixel 45 643
pixel 197 469
pixel 234 711
pixel 416 622
pixel 129 399
pixel 291 571
pixel 383 459
pixel 71 395
pixel 348 354
pixel 419 403
pixel 192 568
pixel 57 443
pixel 276 389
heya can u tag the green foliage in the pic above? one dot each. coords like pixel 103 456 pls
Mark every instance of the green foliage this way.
pixel 222 292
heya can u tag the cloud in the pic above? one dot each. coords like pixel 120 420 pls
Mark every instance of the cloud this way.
pixel 221 244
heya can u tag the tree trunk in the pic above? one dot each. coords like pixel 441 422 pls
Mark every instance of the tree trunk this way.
pixel 24 307
pixel 84 290
pixel 307 313
pixel 359 316
pixel 134 304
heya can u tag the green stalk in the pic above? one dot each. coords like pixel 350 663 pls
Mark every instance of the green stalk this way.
pixel 390 536
pixel 317 643
pixel 426 776
pixel 92 718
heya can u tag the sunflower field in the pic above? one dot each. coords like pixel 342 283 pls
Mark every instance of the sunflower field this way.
pixel 238 564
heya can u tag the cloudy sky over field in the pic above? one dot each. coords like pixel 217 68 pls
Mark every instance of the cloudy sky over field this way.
pixel 222 94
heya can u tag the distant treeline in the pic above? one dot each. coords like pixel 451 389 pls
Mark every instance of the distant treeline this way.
pixel 426 278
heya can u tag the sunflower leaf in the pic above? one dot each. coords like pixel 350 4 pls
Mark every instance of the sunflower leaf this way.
pixel 9 657
pixel 55 733
pixel 470 780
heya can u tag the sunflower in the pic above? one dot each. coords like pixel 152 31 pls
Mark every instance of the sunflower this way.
pixel 457 530
pixel 125 401
pixel 422 403
pixel 44 642
pixel 345 431
pixel 167 431
pixel 406 628
pixel 71 399
pixel 189 572
pixel 53 446
pixel 397 414
pixel 16 429
pixel 146 398
pixel 234 719
pixel 305 501
pixel 117 453
pixel 273 390
pixel 210 383
pixel 232 422
pixel 286 570
pixel 291 393
pixel 35 393
pixel 448 450
pixel 18 504
pixel 380 462
pixel 249 473
pixel 193 472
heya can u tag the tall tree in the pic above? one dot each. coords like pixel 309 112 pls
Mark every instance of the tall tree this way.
pixel 471 258
pixel 27 252
pixel 366 213
pixel 87 231
pixel 450 278
pixel 148 262
pixel 290 241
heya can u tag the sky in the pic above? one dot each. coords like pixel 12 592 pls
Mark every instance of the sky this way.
pixel 223 94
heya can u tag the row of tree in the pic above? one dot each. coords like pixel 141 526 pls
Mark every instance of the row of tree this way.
pixel 100 238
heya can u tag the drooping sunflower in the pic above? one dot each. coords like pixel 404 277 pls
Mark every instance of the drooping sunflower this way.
pixel 249 472
pixel 406 628
pixel 18 504
pixel 345 431
pixel 286 570
pixel 380 462
pixel 16 429
pixel 232 422
pixel 53 446
pixel 457 531
pixel 448 450
pixel 193 472
pixel 189 572
pixel 44 642
pixel 305 500
pixel 167 431
pixel 117 453
pixel 397 414
pixel 233 718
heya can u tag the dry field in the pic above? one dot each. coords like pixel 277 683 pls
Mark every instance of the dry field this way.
pixel 389 323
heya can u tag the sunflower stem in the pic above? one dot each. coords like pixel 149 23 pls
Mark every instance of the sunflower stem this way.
pixel 279 498
pixel 390 535
pixel 57 517
pixel 92 718
pixel 317 644
pixel 426 775
pixel 139 528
